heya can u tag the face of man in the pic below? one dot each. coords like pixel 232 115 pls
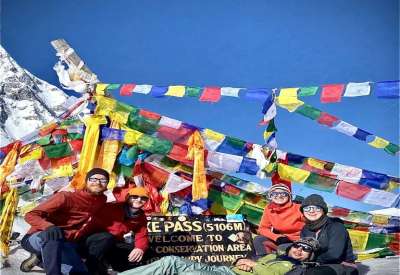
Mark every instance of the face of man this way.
pixel 299 252
pixel 137 202
pixel 96 184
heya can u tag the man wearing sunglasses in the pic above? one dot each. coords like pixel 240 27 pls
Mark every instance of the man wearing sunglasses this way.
pixel 107 245
pixel 58 223
pixel 290 256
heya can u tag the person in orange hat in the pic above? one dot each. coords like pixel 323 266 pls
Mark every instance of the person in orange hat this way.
pixel 107 242
pixel 281 222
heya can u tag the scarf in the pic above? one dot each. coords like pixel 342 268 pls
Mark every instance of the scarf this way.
pixel 316 225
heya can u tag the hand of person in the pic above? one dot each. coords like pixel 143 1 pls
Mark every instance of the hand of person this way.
pixel 245 264
pixel 52 233
pixel 282 240
pixel 136 255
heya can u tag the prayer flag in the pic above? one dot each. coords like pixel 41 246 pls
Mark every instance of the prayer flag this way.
pixel 308 111
pixel 170 122
pixel 380 197
pixel 361 134
pixel 392 149
pixel 177 91
pixel 211 94
pixel 142 89
pixel 332 93
pixel 229 91
pixel 387 89
pixel 126 89
pixel 308 91
pixel 357 89
pixel 257 94
pixel 249 166
pixel 158 91
pixel 318 182
pixel 359 239
pixel 327 119
pixel 352 191
pixel 223 162
pixel 193 91
pixel 379 142
pixel 289 173
pixel 345 128
pixel 57 150
pixel 288 99
pixel 374 180
pixel 347 173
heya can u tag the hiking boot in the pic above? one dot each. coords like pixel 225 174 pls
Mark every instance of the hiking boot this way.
pixel 28 264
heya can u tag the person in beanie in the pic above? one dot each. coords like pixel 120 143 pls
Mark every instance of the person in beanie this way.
pixel 281 222
pixel 106 243
pixel 58 223
pixel 336 250
pixel 292 255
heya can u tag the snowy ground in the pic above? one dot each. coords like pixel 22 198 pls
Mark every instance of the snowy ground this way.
pixel 384 266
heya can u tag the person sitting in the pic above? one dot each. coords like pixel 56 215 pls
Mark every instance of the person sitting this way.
pixel 273 264
pixel 281 221
pixel 336 251
pixel 58 223
pixel 105 243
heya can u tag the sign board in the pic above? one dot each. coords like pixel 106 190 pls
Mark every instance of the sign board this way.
pixel 216 240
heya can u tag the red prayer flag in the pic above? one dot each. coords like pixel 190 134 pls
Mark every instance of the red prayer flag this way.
pixel 126 89
pixel 76 145
pixel 149 115
pixel 340 212
pixel 180 135
pixel 351 190
pixel 332 93
pixel 327 119
pixel 211 94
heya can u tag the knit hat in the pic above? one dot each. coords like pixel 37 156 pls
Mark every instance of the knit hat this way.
pixel 98 171
pixel 315 199
pixel 138 191
pixel 280 187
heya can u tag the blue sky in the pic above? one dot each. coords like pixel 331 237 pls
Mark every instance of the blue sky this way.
pixel 231 43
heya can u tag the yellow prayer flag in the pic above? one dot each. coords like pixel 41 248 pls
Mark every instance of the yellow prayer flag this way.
pixel 380 219
pixel 7 220
pixel 62 171
pixel 34 154
pixel 379 142
pixel 319 164
pixel 288 99
pixel 393 186
pixel 120 117
pixel 362 257
pixel 105 105
pixel 213 135
pixel 100 88
pixel 132 136
pixel 359 239
pixel 178 91
pixel 290 173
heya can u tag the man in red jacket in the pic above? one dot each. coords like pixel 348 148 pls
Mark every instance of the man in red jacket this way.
pixel 59 222
pixel 113 222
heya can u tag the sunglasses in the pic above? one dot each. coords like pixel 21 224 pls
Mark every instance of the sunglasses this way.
pixel 102 181
pixel 303 247
pixel 136 197
pixel 278 194
pixel 312 208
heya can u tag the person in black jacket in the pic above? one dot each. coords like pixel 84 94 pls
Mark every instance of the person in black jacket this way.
pixel 336 251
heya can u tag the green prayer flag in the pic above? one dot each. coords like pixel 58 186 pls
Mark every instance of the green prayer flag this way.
pixel 235 142
pixel 377 241
pixel 168 162
pixel 112 87
pixel 392 148
pixel 142 124
pixel 230 179
pixel 317 182
pixel 154 145
pixel 308 91
pixel 125 108
pixel 69 122
pixel 193 91
pixel 44 140
pixel 73 136
pixel 309 111
pixel 271 126
pixel 57 150
pixel 127 171
pixel 253 214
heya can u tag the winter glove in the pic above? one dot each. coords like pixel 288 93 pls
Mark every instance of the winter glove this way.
pixel 53 233
pixel 282 240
